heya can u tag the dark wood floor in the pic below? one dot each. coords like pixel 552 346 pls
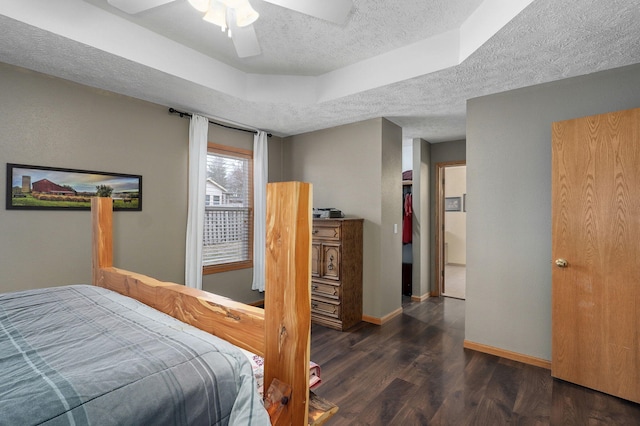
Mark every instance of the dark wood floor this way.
pixel 414 371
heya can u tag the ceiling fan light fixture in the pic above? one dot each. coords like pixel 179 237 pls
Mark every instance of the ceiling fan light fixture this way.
pixel 238 15
pixel 200 5
pixel 246 15
pixel 217 14
pixel 234 4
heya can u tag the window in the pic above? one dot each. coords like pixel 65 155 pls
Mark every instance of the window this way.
pixel 227 242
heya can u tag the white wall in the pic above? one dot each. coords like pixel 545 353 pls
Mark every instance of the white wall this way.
pixel 455 223
pixel 407 154
pixel 508 301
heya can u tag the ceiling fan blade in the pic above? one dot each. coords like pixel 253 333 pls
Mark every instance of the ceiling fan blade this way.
pixel 245 41
pixel 329 10
pixel 136 6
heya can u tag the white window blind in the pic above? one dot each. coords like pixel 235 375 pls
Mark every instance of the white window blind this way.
pixel 228 223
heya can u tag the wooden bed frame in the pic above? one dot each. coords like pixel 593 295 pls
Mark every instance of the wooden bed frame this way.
pixel 280 332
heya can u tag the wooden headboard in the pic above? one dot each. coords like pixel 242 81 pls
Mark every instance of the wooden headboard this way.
pixel 280 332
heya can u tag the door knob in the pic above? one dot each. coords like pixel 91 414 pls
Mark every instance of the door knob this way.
pixel 561 263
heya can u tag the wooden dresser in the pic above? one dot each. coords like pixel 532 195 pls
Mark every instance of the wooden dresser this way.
pixel 336 272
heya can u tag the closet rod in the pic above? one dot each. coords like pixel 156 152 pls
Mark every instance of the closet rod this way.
pixel 186 114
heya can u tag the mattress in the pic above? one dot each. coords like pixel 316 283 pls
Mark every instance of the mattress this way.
pixel 86 355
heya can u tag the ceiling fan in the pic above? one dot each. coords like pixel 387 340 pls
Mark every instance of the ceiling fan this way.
pixel 236 16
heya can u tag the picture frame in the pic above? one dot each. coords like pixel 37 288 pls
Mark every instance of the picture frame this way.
pixel 52 188
pixel 452 204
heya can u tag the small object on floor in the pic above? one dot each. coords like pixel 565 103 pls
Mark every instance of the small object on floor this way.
pixel 320 410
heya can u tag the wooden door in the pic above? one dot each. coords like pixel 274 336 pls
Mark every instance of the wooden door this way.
pixel 596 230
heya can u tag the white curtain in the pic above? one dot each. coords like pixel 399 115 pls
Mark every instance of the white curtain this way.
pixel 198 129
pixel 260 178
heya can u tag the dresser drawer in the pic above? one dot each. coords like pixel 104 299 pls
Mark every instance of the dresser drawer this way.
pixel 326 321
pixel 329 232
pixel 325 290
pixel 325 308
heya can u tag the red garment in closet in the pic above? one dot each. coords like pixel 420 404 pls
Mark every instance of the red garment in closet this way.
pixel 406 222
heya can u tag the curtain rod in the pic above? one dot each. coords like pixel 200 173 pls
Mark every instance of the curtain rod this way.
pixel 186 114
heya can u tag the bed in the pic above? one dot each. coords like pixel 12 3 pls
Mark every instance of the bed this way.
pixel 120 380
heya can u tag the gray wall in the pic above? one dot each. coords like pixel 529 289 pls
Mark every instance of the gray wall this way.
pixel 421 223
pixel 389 264
pixel 509 191
pixel 357 169
pixel 47 121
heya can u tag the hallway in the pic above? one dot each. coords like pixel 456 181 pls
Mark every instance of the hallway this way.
pixel 455 281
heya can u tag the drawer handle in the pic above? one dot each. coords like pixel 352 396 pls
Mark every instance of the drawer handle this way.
pixel 314 305
pixel 314 287
pixel 315 231
pixel 330 267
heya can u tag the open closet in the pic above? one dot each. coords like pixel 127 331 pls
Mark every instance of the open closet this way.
pixel 407 231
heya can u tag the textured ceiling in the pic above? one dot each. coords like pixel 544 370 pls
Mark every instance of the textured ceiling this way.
pixel 547 41
pixel 293 43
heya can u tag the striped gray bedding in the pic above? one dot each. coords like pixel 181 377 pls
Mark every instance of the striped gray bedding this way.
pixel 85 355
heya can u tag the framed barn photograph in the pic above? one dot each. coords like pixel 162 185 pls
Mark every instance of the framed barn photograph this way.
pixel 50 188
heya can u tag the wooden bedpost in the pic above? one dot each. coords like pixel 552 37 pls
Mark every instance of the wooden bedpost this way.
pixel 288 294
pixel 102 235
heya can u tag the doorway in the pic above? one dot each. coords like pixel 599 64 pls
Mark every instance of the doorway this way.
pixel 451 229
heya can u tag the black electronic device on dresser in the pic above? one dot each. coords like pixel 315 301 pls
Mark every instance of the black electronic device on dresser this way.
pixel 325 213
pixel 336 272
